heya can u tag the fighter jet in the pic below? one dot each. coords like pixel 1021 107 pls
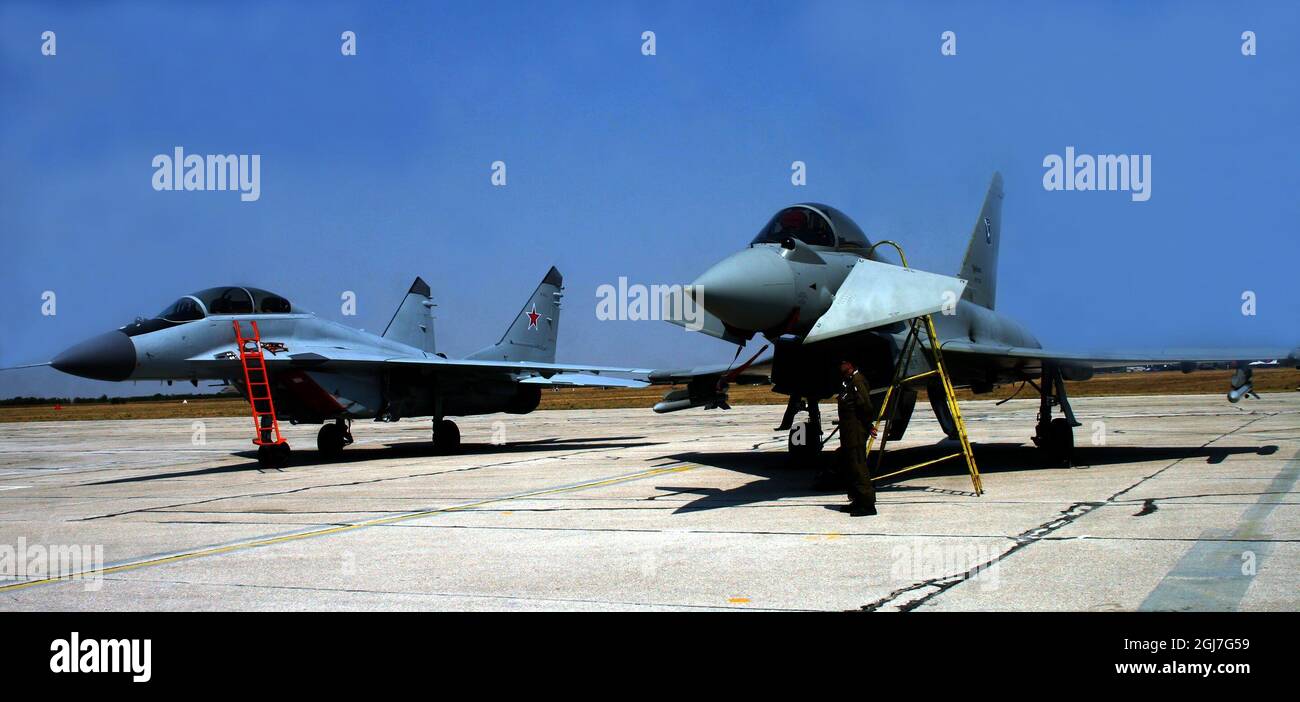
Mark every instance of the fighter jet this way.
pixel 820 292
pixel 322 372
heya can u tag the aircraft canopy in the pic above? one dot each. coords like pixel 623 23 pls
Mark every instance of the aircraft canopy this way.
pixel 225 300
pixel 815 225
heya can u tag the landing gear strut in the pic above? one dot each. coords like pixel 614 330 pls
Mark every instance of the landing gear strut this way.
pixel 333 437
pixel 1054 436
pixel 804 441
pixel 446 436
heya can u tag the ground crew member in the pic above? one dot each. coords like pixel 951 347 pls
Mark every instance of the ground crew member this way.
pixel 856 417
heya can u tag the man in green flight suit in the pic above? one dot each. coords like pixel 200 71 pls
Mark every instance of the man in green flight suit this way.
pixel 856 417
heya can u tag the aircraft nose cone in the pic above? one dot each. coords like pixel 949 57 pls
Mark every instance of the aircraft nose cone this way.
pixel 751 290
pixel 108 356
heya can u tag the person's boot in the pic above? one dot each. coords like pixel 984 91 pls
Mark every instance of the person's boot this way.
pixel 859 509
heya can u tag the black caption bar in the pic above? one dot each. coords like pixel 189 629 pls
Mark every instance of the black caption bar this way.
pixel 305 651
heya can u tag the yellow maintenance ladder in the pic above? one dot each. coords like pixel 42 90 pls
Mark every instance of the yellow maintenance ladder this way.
pixel 917 326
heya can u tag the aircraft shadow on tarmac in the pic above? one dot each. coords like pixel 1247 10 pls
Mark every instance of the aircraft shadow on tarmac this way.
pixel 411 449
pixel 782 478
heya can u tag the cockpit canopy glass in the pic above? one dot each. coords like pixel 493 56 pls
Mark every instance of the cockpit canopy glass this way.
pixel 238 300
pixel 186 309
pixel 814 224
pixel 225 300
pixel 266 302
pixel 802 223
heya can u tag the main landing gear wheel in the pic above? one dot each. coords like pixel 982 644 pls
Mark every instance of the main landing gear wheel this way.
pixel 804 441
pixel 1059 442
pixel 446 436
pixel 273 455
pixel 332 438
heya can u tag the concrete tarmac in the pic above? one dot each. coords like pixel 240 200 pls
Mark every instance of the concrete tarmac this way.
pixel 1172 503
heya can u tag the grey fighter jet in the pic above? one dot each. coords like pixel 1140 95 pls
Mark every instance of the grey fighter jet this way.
pixel 322 372
pixel 817 289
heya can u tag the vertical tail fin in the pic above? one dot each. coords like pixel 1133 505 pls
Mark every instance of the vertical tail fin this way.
pixel 980 267
pixel 532 334
pixel 412 323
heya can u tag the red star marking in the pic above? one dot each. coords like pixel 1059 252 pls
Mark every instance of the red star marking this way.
pixel 533 317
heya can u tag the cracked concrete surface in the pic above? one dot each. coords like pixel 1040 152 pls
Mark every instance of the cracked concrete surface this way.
pixel 1173 503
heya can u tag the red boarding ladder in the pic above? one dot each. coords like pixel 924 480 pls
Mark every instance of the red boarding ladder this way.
pixel 258 383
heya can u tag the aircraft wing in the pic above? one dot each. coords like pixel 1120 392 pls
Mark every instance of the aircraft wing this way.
pixel 332 358
pixel 439 363
pixel 757 373
pixel 583 380
pixel 1029 358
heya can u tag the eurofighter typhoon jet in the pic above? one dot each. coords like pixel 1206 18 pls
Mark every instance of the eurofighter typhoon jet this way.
pixel 813 285
pixel 320 372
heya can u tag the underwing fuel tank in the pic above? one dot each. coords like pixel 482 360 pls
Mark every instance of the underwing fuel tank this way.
pixel 698 394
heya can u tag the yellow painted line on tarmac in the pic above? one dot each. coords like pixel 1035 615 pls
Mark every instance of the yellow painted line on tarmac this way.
pixel 382 521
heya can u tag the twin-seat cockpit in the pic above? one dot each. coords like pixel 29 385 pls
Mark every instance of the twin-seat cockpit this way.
pixel 225 300
pixel 215 301
pixel 815 225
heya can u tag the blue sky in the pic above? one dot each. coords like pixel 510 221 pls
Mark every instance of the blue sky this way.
pixel 375 168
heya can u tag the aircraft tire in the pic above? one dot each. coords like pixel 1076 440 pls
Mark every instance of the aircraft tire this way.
pixel 811 444
pixel 1060 439
pixel 446 436
pixel 273 455
pixel 330 441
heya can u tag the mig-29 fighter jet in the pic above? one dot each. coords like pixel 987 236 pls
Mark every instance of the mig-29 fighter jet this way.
pixel 322 372
pixel 815 287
